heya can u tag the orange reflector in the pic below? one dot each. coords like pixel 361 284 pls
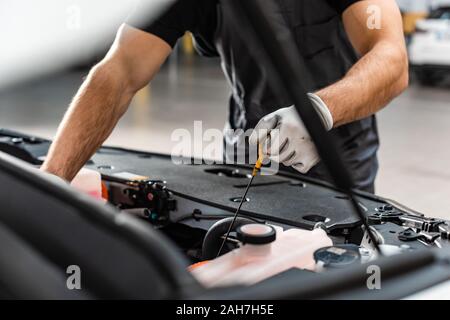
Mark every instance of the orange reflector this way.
pixel 105 194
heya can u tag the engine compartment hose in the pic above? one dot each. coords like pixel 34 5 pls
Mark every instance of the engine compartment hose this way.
pixel 213 238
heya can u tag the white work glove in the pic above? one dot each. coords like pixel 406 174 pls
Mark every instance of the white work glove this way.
pixel 284 138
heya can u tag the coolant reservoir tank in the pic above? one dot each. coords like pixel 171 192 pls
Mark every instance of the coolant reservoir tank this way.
pixel 88 181
pixel 264 252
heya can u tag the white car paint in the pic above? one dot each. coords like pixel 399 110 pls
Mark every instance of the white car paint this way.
pixel 431 45
pixel 48 35
pixel 437 292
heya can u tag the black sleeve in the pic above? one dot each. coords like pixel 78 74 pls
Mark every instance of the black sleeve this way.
pixel 182 16
pixel 341 5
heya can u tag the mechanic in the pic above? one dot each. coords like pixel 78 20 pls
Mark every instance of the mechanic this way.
pixel 355 69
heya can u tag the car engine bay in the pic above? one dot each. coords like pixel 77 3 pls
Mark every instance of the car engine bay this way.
pixel 193 206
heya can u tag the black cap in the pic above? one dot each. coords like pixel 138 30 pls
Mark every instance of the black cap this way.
pixel 338 256
pixel 255 233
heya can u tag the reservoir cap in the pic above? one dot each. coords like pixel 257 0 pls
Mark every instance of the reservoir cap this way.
pixel 255 233
pixel 338 256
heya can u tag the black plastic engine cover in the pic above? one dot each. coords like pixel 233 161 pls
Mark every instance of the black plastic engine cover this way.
pixel 284 198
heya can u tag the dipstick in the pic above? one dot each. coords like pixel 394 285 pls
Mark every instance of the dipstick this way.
pixel 256 169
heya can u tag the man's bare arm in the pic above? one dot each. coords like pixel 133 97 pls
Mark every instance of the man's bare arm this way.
pixel 131 63
pixel 382 72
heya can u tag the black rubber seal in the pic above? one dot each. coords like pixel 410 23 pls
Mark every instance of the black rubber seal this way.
pixel 247 238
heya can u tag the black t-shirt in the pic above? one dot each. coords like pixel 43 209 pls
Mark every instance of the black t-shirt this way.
pixel 320 38
pixel 198 17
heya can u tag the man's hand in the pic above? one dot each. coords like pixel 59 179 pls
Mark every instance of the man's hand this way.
pixel 285 139
pixel 131 63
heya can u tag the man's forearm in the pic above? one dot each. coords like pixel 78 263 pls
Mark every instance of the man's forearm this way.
pixel 92 115
pixel 371 84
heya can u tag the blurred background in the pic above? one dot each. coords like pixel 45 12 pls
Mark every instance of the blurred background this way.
pixel 414 129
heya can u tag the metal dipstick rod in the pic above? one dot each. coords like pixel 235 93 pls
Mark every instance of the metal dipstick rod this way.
pixel 256 168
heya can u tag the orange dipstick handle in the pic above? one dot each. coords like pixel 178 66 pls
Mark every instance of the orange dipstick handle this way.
pixel 259 162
